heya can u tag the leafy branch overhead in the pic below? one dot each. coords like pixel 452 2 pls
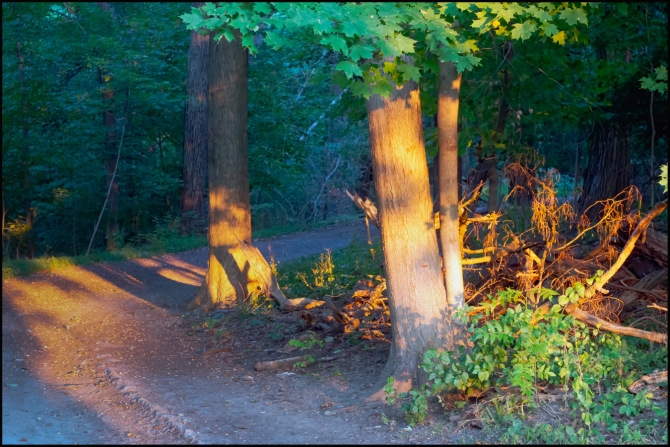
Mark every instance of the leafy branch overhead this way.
pixel 371 38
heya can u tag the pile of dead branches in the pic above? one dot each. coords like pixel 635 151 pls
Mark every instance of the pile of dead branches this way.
pixel 555 253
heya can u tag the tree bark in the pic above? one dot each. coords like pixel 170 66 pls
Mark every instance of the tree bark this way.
pixel 608 171
pixel 503 111
pixel 24 124
pixel 420 317
pixel 447 122
pixel 229 274
pixel 109 121
pixel 194 173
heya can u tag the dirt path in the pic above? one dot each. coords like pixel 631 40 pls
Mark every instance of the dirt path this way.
pixel 101 355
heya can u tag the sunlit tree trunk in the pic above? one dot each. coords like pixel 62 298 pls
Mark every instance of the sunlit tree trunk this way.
pixel 229 275
pixel 192 199
pixel 447 122
pixel 420 317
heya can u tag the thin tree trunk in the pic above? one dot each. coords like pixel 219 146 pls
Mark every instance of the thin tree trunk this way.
pixel 194 174
pixel 420 317
pixel 109 120
pixel 447 119
pixel 24 125
pixel 503 111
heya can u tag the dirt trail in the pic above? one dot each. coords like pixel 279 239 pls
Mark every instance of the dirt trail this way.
pixel 100 355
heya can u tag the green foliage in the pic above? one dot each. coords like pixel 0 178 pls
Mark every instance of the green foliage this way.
pixel 329 273
pixel 664 178
pixel 519 348
pixel 657 81
pixel 366 33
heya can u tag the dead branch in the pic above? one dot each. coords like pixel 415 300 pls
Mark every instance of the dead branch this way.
pixel 340 316
pixel 656 306
pixel 623 330
pixel 214 351
pixel 290 362
pixel 651 379
pixel 626 251
pixel 366 205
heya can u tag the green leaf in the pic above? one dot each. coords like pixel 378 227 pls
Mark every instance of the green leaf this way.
pixel 448 54
pixel 336 43
pixel 360 88
pixel 572 16
pixel 404 44
pixel 661 73
pixel 193 20
pixel 262 7
pixel 323 26
pixel 359 51
pixel 410 72
pixel 523 30
pixel 563 300
pixel 648 84
pixel 382 88
pixel 549 29
pixel 467 62
pixel 349 68
pixel 248 42
pixel 274 39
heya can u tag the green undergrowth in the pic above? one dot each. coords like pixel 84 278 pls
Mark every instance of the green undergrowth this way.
pixel 164 240
pixel 523 352
pixel 329 273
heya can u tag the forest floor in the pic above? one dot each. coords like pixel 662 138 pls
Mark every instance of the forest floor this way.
pixel 104 354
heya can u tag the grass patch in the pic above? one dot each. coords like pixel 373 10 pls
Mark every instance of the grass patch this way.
pixel 330 273
pixel 158 245
pixel 172 244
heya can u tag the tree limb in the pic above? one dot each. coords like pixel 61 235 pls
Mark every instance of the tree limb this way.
pixel 623 330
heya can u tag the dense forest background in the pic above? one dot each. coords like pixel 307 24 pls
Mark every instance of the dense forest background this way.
pixel 68 68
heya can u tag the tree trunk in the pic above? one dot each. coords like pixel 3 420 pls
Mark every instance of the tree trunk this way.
pixel 230 274
pixel 607 173
pixel 503 111
pixel 24 125
pixel 192 199
pixel 420 317
pixel 109 120
pixel 447 119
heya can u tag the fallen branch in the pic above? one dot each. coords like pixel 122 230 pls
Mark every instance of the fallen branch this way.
pixel 645 381
pixel 626 251
pixel 290 362
pixel 656 306
pixel 611 327
pixel 366 205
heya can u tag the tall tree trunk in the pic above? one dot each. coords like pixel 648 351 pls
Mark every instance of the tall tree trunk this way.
pixel 420 317
pixel 194 174
pixel 447 119
pixel 503 111
pixel 230 274
pixel 109 120
pixel 24 124
pixel 608 170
